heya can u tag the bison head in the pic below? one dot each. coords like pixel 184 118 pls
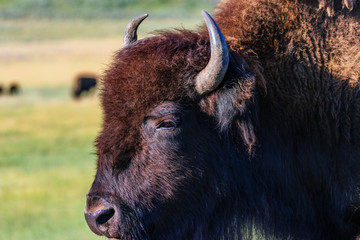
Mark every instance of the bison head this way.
pixel 179 116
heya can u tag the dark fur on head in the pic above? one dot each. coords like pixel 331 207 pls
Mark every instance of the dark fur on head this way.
pixel 166 67
pixel 274 148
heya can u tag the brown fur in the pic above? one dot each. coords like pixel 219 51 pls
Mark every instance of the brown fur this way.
pixel 128 95
pixel 310 62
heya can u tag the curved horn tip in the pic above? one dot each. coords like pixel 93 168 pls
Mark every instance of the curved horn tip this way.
pixel 141 17
pixel 205 13
pixel 130 35
pixel 212 75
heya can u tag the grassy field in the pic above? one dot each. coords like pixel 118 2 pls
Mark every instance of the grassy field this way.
pixel 49 53
pixel 46 165
pixel 97 9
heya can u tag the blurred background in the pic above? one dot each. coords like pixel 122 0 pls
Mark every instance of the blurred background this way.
pixel 51 54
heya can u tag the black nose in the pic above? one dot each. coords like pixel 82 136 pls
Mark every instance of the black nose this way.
pixel 98 220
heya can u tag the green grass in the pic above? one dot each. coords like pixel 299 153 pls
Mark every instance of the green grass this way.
pixel 24 20
pixel 97 9
pixel 46 165
pixel 15 30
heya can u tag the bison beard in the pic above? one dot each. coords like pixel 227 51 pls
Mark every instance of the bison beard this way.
pixel 265 144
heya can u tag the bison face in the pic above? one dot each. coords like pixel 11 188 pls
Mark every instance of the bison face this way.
pixel 167 158
pixel 173 179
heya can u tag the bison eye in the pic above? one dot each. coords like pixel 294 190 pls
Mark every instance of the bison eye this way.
pixel 166 124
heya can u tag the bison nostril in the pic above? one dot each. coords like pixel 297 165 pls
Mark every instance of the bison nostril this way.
pixel 97 220
pixel 104 216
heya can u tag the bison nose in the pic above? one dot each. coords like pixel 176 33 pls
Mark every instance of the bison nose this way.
pixel 100 216
pixel 97 220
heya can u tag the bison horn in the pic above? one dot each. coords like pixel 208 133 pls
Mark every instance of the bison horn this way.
pixel 130 31
pixel 212 75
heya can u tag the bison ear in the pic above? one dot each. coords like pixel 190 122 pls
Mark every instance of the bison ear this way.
pixel 233 104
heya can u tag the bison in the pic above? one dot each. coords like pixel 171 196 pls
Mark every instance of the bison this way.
pixel 14 88
pixel 84 83
pixel 247 128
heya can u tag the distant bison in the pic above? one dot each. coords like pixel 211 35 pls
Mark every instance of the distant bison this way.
pixel 243 131
pixel 84 83
pixel 1 90
pixel 14 89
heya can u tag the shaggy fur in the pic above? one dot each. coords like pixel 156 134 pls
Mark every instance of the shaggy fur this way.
pixel 274 151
